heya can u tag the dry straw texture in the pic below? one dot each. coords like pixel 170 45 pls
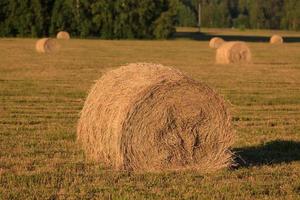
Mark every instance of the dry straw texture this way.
pixel 233 52
pixel 147 117
pixel 276 39
pixel 63 35
pixel 46 45
pixel 216 42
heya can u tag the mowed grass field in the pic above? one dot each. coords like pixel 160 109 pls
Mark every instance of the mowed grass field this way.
pixel 41 96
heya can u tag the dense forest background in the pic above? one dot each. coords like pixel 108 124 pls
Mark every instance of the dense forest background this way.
pixel 141 18
pixel 252 14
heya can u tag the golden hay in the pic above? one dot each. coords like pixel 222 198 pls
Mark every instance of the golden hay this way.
pixel 46 45
pixel 147 117
pixel 276 39
pixel 63 35
pixel 233 52
pixel 216 42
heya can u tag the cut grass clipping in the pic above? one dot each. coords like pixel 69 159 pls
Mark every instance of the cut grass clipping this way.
pixel 147 117
pixel 63 35
pixel 216 42
pixel 276 39
pixel 46 45
pixel 233 52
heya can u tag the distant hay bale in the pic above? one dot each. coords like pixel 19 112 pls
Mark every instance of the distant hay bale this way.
pixel 276 39
pixel 216 42
pixel 233 52
pixel 147 117
pixel 63 35
pixel 46 45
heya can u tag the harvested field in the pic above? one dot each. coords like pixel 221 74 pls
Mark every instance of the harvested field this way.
pixel 41 96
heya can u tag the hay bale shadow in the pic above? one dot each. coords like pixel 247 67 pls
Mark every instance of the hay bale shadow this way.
pixel 246 38
pixel 270 153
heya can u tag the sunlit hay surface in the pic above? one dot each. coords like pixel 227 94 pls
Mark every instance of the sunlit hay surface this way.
pixel 63 35
pixel 216 42
pixel 276 39
pixel 46 45
pixel 147 117
pixel 234 52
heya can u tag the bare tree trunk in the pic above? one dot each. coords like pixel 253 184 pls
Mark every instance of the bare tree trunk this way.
pixel 77 8
pixel 199 15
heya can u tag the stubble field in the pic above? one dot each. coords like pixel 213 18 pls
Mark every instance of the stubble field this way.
pixel 41 96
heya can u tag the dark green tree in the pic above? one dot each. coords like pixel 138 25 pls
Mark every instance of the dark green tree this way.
pixel 141 19
pixel 291 19
pixel 3 17
pixel 64 17
pixel 23 18
pixel 134 19
pixel 164 26
pixel 186 15
pixel 47 7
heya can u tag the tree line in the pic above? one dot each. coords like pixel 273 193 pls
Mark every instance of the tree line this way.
pixel 89 18
pixel 251 14
pixel 116 19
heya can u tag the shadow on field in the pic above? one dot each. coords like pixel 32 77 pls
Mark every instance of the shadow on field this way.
pixel 206 37
pixel 274 152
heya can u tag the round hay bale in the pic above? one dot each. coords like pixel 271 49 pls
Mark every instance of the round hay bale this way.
pixel 63 35
pixel 276 39
pixel 233 52
pixel 147 117
pixel 216 42
pixel 46 45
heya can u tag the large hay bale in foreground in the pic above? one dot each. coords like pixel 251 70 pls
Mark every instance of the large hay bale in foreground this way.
pixel 148 117
pixel 276 39
pixel 46 45
pixel 63 35
pixel 216 42
pixel 233 52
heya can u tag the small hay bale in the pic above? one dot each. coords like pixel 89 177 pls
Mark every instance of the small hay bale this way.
pixel 276 39
pixel 233 52
pixel 147 117
pixel 63 35
pixel 216 42
pixel 46 45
